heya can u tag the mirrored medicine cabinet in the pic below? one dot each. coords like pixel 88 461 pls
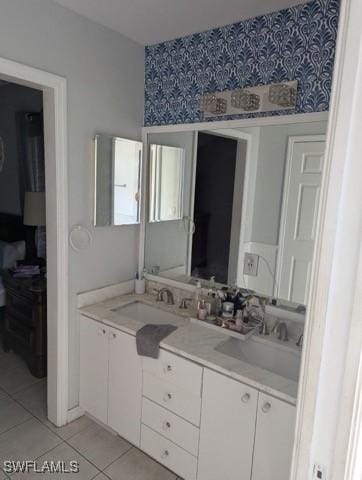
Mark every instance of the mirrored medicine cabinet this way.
pixel 118 167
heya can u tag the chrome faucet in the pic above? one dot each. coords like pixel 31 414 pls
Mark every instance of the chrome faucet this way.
pixel 169 296
pixel 281 331
pixel 300 341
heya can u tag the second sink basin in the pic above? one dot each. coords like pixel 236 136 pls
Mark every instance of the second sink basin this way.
pixel 270 357
pixel 147 314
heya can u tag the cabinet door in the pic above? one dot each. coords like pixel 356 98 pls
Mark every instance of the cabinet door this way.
pixel 125 386
pixel 274 439
pixel 93 368
pixel 227 428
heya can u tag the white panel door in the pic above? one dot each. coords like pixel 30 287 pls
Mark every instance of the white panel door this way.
pixel 125 386
pixel 299 218
pixel 227 429
pixel 274 439
pixel 94 368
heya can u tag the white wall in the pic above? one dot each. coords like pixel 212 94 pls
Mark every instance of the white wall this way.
pixel 105 74
pixel 14 99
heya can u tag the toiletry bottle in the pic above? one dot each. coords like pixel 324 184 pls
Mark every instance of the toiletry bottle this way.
pixel 202 310
pixel 197 294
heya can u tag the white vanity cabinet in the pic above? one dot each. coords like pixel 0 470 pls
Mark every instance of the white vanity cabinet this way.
pixel 244 434
pixel 111 378
pixel 93 395
pixel 200 424
pixel 227 428
pixel 274 439
pixel 125 386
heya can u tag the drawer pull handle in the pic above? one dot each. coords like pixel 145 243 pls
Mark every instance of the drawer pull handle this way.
pixel 167 368
pixel 245 398
pixel 166 425
pixel 266 407
pixel 165 454
pixel 167 397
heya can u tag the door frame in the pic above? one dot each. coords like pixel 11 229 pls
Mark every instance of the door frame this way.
pixel 292 140
pixel 54 90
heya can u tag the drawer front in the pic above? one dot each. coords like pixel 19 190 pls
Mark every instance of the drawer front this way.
pixel 169 454
pixel 170 367
pixel 22 331
pixel 21 308
pixel 170 396
pixel 176 429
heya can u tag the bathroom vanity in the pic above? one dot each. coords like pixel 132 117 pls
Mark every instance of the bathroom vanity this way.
pixel 198 409
pixel 230 206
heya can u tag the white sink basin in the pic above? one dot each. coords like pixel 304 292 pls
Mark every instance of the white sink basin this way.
pixel 147 314
pixel 270 357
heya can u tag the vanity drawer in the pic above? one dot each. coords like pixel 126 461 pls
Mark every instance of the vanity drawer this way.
pixel 169 454
pixel 172 397
pixel 170 367
pixel 176 429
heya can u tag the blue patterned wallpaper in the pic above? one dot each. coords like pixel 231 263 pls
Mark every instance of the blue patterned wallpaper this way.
pixel 293 44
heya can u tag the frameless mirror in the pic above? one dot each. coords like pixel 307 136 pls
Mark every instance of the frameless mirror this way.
pixel 166 183
pixel 250 206
pixel 117 181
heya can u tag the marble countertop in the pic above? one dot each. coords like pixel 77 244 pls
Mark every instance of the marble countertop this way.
pixel 195 342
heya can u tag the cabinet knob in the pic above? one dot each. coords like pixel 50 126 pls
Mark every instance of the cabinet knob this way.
pixel 101 331
pixel 114 335
pixel 266 407
pixel 167 397
pixel 165 454
pixel 166 425
pixel 245 398
pixel 167 368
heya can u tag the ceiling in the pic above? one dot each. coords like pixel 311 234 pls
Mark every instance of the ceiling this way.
pixel 153 21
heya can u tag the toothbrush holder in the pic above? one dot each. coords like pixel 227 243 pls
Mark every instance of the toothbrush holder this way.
pixel 140 286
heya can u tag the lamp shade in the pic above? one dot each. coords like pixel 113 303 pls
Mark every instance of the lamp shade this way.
pixel 34 208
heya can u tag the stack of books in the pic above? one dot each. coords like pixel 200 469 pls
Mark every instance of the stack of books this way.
pixel 26 271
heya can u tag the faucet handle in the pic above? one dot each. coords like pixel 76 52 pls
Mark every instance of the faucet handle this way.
pixel 264 330
pixel 157 292
pixel 274 330
pixel 183 305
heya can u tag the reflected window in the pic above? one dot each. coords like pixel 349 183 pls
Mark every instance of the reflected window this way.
pixel 166 183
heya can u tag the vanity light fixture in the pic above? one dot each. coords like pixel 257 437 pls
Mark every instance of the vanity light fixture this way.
pixel 212 104
pixel 282 95
pixel 245 100
pixel 262 98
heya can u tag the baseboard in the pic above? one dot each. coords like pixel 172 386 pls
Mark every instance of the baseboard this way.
pixel 74 413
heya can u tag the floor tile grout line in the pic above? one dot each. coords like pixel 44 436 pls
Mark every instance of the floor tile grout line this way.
pixel 14 426
pixel 37 458
pixel 116 460
pixel 16 392
pixel 82 455
pixel 88 460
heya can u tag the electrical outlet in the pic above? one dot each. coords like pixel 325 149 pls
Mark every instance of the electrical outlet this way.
pixel 251 262
pixel 319 472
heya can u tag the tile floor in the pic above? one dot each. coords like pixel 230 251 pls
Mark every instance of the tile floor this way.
pixel 26 434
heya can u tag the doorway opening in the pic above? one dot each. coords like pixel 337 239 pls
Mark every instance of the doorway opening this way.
pixel 45 141
pixel 23 320
pixel 219 182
